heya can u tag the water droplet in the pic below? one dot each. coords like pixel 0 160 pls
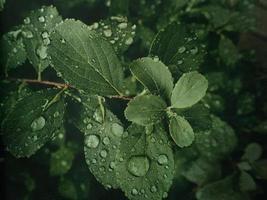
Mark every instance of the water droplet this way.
pixel 94 161
pixel 117 129
pixel 15 50
pixel 27 20
pixel 194 51
pixel 180 62
pixel 112 165
pixel 129 41
pixel 59 74
pixel 122 25
pixel 45 35
pixel 134 191
pixel 89 126
pixel 108 33
pixel 153 189
pixel 38 124
pixel 103 153
pixel 63 41
pixel 156 58
pixel 134 27
pixel 97 116
pixel 42 52
pixel 56 114
pixel 138 165
pixel 41 19
pixel 162 159
pixel 106 141
pixel 46 41
pixel 91 141
pixel 165 195
pixel 95 25
pixel 181 49
pixel 28 34
pixel 112 41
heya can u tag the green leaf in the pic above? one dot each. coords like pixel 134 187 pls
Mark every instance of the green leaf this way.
pixel 66 188
pixel 198 116
pixel 220 190
pixel 253 152
pixel 2 3
pixel 32 122
pixel 202 171
pixel 102 135
pixel 181 131
pixel 176 45
pixel 145 164
pixel 12 50
pixel 36 30
pixel 218 142
pixel 117 31
pixel 85 59
pixel 228 51
pixel 260 169
pixel 146 110
pixel 246 182
pixel 217 15
pixel 61 161
pixel 189 89
pixel 154 75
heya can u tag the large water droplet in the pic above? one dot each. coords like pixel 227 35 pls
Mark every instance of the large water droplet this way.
pixel 138 165
pixel 117 129
pixel 106 141
pixel 38 124
pixel 91 141
pixel 162 159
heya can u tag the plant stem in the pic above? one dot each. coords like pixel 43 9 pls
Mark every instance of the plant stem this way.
pixel 62 85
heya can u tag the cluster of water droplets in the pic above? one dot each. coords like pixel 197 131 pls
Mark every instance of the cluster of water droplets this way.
pixel 117 30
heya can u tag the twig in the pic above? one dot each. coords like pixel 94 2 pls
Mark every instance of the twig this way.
pixel 50 83
pixel 61 85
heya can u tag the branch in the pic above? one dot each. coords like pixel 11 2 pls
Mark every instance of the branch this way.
pixel 55 84
pixel 61 85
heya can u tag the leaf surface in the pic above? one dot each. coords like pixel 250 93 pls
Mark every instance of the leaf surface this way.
pixel 85 59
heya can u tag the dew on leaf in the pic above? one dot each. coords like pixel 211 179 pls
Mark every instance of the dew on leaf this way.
pixel 117 129
pixel 42 52
pixel 138 165
pixel 134 191
pixel 181 49
pixel 129 41
pixel 153 189
pixel 89 126
pixel 103 153
pixel 45 35
pixel 162 159
pixel 106 141
pixel 91 141
pixel 27 20
pixel 122 25
pixel 108 33
pixel 41 19
pixel 38 124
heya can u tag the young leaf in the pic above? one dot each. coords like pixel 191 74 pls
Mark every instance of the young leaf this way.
pixel 246 182
pixel 181 131
pixel 36 30
pixel 117 31
pixel 218 142
pixel 154 75
pixel 32 122
pixel 101 141
pixel 198 116
pixel 228 51
pixel 12 50
pixel 175 45
pixel 145 164
pixel 85 59
pixel 61 161
pixel 145 110
pixel 189 89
